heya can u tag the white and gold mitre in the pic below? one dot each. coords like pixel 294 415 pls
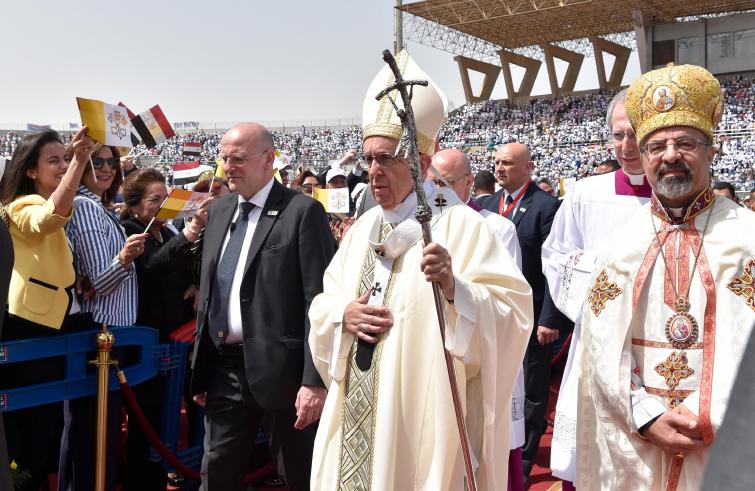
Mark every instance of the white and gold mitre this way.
pixel 429 103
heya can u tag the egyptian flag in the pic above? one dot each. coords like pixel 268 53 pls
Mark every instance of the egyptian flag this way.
pixel 153 127
pixel 131 116
pixel 186 171
pixel 192 148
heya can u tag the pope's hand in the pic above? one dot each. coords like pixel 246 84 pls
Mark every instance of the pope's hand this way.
pixel 366 321
pixel 436 265
pixel 309 403
pixel 675 433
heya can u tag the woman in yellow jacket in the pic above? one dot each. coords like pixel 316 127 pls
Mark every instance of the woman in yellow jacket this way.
pixel 36 192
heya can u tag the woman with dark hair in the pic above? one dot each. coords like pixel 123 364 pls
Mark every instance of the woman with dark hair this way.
pixel 104 256
pixel 37 192
pixel 164 277
pixel 309 181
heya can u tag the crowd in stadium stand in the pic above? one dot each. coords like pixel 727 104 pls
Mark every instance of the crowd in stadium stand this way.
pixel 567 136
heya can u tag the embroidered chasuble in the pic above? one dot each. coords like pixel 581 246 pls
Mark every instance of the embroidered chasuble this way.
pixel 648 346
pixel 393 426
pixel 359 398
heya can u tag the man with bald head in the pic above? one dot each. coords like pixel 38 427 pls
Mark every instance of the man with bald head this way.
pixel 456 172
pixel 251 364
pixel 531 210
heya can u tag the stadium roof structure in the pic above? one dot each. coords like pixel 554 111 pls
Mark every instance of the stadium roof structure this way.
pixel 479 28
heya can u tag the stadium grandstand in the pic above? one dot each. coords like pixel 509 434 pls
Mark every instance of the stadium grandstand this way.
pixel 567 134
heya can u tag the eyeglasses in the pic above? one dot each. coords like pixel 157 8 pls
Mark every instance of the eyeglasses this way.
pixel 683 144
pixel 236 160
pixel 441 183
pixel 619 136
pixel 99 162
pixel 383 160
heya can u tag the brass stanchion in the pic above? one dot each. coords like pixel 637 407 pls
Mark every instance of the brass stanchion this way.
pixel 105 341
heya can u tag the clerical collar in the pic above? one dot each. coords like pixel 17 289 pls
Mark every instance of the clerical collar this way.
pixel 407 207
pixel 631 184
pixel 702 202
pixel 635 179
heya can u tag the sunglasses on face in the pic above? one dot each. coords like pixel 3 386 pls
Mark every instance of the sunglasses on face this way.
pixel 98 162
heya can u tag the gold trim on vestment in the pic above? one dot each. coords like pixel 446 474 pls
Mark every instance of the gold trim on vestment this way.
pixel 657 344
pixel 371 375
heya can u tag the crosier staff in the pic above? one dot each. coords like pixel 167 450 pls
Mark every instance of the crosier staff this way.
pixel 408 147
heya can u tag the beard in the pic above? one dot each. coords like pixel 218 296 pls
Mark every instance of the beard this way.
pixel 673 187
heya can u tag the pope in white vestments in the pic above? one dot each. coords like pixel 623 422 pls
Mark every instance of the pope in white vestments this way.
pixel 671 304
pixel 388 421
pixel 589 213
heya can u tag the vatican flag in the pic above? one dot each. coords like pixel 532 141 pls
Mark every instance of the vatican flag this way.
pixel 107 123
pixel 334 200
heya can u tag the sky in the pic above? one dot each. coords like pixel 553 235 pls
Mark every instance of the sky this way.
pixel 224 61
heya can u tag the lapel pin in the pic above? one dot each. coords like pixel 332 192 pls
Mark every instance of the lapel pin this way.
pixel 522 209
pixel 272 213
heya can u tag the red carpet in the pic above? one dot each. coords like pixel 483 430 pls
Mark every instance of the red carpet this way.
pixel 540 477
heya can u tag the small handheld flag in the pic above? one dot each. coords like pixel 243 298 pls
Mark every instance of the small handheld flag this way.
pixel 334 200
pixel 219 170
pixel 134 135
pixel 181 204
pixel 107 123
pixel 153 127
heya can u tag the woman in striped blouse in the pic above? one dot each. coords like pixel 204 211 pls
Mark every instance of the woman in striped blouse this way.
pixel 104 256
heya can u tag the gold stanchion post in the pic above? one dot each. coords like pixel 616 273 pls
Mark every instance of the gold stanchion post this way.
pixel 105 341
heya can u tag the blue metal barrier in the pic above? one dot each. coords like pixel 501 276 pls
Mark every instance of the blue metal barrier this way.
pixel 170 360
pixel 181 341
pixel 77 349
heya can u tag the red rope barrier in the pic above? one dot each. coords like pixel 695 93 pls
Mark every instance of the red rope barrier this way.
pixel 164 451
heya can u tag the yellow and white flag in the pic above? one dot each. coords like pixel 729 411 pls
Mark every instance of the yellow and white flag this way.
pixel 108 124
pixel 219 171
pixel 282 160
pixel 334 200
pixel 181 204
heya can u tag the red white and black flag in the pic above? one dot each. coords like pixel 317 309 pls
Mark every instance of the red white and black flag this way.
pixel 153 127
pixel 192 148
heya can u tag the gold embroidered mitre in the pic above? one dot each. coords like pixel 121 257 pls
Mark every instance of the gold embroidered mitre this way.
pixel 684 95
pixel 379 118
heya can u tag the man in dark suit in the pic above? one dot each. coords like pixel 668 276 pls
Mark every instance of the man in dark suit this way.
pixel 532 210
pixel 484 187
pixel 266 249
